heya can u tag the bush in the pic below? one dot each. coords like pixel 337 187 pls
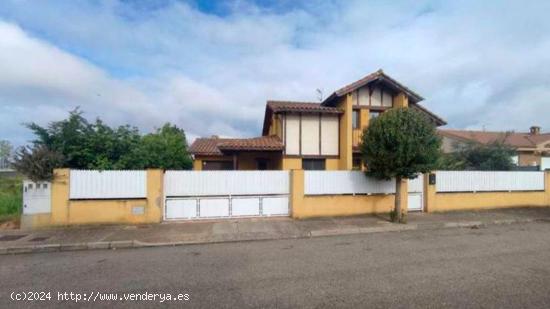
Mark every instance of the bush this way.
pixel 11 197
pixel 37 163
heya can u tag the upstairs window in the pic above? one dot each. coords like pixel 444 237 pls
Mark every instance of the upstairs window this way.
pixel 355 119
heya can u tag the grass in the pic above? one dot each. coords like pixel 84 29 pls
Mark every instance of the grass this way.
pixel 11 198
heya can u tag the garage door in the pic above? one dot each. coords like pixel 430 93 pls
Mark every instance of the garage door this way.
pixel 226 207
pixel 192 195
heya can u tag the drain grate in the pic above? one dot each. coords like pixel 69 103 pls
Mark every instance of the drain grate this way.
pixel 11 237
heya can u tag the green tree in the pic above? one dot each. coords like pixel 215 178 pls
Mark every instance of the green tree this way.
pixel 94 145
pixel 495 156
pixel 6 149
pixel 166 149
pixel 400 144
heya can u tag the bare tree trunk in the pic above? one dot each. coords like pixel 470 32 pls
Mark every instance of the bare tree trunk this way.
pixel 397 210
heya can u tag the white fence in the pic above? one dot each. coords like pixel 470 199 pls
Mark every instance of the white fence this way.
pixel 351 182
pixel 212 183
pixel 88 184
pixel 478 181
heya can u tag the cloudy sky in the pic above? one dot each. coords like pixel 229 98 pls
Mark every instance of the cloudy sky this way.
pixel 209 68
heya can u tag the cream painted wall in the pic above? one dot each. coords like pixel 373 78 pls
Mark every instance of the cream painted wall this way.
pixel 329 135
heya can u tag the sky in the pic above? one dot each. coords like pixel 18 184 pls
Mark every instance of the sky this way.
pixel 210 66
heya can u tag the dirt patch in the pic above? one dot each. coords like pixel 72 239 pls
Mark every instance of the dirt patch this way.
pixel 9 225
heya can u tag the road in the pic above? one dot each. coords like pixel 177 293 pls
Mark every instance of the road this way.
pixel 504 266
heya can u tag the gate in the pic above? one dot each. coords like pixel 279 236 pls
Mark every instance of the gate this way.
pixel 416 190
pixel 225 194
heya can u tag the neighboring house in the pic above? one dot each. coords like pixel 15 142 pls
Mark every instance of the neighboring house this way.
pixel 532 148
pixel 308 135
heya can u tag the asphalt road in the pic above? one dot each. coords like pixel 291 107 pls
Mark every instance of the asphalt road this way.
pixel 495 267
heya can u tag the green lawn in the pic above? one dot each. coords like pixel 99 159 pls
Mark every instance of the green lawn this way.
pixel 11 198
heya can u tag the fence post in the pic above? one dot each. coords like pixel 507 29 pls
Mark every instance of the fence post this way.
pixel 60 196
pixel 296 192
pixel 155 195
pixel 429 194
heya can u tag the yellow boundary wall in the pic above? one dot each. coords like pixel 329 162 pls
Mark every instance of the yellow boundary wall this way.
pixel 438 202
pixel 150 209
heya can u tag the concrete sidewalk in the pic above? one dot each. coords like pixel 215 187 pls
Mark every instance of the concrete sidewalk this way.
pixel 181 233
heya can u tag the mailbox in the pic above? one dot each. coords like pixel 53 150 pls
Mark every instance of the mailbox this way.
pixel 432 179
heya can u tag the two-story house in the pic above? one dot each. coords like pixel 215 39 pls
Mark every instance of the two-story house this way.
pixel 308 135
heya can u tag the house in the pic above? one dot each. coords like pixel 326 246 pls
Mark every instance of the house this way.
pixel 309 135
pixel 532 148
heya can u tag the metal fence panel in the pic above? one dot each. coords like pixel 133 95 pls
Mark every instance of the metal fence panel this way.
pixel 91 184
pixel 480 181
pixel 212 183
pixel 344 182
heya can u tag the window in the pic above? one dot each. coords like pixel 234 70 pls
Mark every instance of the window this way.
pixel 355 119
pixel 262 164
pixel 373 114
pixel 217 165
pixel 313 164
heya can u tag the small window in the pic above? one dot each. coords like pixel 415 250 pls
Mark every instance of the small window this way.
pixel 313 164
pixel 262 164
pixel 217 165
pixel 355 119
pixel 30 186
pixel 373 115
pixel 44 186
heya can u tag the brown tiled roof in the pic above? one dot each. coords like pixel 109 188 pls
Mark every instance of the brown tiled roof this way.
pixel 215 146
pixel 376 76
pixel 513 139
pixel 302 107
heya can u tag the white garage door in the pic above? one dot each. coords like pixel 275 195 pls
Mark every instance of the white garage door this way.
pixel 544 163
pixel 225 207
pixel 194 195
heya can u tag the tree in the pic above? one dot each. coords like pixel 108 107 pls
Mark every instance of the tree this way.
pixel 166 149
pixel 37 162
pixel 6 149
pixel 81 144
pixel 400 144
pixel 495 156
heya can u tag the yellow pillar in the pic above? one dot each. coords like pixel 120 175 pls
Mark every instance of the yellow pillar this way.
pixel 364 118
pixel 197 164
pixel 401 100
pixel 429 194
pixel 547 186
pixel 60 196
pixel 296 192
pixel 155 195
pixel 346 139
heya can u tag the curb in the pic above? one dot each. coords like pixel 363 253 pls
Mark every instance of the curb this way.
pixel 126 244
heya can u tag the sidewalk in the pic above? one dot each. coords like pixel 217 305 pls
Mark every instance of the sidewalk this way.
pixel 182 233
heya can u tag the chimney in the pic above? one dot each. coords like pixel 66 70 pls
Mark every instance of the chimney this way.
pixel 534 130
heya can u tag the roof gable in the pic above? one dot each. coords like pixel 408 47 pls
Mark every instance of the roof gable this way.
pixel 376 77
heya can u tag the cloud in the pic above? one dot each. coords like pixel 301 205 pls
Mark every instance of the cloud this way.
pixel 476 63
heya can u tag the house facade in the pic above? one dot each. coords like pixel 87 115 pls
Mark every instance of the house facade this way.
pixel 532 148
pixel 309 135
